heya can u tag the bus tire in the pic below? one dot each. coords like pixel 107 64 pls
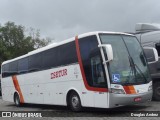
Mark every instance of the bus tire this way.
pixel 156 91
pixel 75 102
pixel 17 100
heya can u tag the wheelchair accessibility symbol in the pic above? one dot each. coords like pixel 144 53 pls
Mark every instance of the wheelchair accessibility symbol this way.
pixel 115 78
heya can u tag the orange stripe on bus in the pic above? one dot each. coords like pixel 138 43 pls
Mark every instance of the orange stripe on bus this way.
pixel 17 87
pixel 82 70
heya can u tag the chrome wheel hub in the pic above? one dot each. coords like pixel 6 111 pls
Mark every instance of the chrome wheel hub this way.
pixel 75 101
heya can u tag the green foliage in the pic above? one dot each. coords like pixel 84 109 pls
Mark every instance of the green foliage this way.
pixel 14 42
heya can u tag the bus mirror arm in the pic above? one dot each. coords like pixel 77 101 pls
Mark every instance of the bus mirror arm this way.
pixel 108 51
pixel 105 62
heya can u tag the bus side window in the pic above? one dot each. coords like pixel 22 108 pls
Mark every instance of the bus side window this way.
pixel 5 70
pixel 97 72
pixel 23 65
pixel 13 68
pixel 35 62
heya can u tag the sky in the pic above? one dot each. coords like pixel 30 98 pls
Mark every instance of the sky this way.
pixel 62 19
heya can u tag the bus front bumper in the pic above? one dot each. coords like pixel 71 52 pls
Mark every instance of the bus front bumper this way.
pixel 117 100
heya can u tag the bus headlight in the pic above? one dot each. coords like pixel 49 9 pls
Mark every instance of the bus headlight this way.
pixel 117 91
pixel 150 88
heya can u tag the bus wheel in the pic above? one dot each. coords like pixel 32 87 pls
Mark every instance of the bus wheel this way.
pixel 75 102
pixel 156 91
pixel 17 100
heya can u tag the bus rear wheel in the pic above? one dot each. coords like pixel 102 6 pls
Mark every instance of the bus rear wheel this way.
pixel 75 102
pixel 17 100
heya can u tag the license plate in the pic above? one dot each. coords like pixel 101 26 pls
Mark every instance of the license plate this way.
pixel 137 99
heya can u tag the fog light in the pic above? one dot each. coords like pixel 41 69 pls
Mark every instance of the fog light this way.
pixel 117 91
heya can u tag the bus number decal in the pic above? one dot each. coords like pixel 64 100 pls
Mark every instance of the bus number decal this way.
pixel 59 73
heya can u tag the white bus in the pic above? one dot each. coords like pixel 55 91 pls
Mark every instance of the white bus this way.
pixel 97 69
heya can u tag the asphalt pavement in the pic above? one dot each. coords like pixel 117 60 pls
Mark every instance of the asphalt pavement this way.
pixel 61 112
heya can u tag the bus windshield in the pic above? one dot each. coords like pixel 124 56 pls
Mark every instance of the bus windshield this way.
pixel 129 66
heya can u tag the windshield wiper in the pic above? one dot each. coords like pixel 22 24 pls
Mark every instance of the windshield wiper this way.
pixel 133 69
pixel 141 72
pixel 134 66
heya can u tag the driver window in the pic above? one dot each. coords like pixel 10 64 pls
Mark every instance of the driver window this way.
pixel 97 71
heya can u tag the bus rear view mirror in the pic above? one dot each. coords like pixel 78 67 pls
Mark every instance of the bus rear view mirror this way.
pixel 151 54
pixel 108 50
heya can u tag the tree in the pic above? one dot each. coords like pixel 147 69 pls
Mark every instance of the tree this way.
pixel 14 42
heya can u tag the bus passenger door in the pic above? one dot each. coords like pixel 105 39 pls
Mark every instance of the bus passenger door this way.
pixel 94 72
pixel 99 81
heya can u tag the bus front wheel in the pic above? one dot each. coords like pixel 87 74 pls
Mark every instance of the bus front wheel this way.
pixel 17 100
pixel 75 102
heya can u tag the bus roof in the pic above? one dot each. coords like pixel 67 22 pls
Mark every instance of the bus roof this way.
pixel 63 42
pixel 146 27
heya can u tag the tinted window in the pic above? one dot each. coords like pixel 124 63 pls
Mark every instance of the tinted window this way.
pixel 92 61
pixel 49 58
pixel 67 54
pixel 23 65
pixel 5 70
pixel 13 68
pixel 35 62
pixel 61 55
pixel 97 72
pixel 58 56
